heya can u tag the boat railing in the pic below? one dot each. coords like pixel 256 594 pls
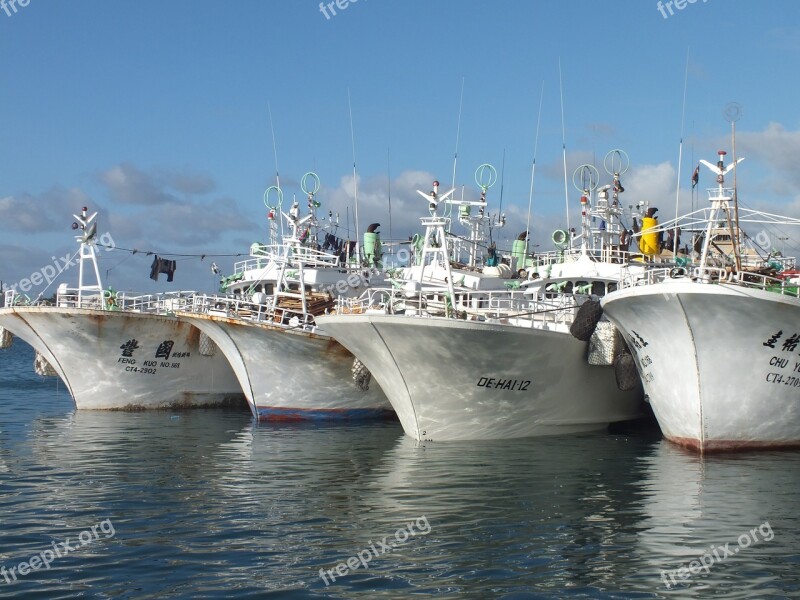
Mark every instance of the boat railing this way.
pixel 512 306
pixel 553 257
pixel 251 264
pixel 767 283
pixel 14 298
pixel 162 303
pixel 557 257
pixel 231 307
pixel 244 309
pixel 707 274
pixel 70 298
pixel 310 257
pixel 782 263
pixel 528 310
pixel 372 300
pixel 649 276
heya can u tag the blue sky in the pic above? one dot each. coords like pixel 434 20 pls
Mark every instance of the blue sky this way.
pixel 156 113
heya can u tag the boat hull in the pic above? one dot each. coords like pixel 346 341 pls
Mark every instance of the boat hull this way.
pixel 291 374
pixel 718 375
pixel 159 367
pixel 458 380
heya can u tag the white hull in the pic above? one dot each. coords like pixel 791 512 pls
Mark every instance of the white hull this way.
pixel 459 380
pixel 84 348
pixel 288 373
pixel 712 382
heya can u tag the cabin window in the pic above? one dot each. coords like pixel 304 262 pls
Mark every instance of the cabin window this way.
pixel 598 288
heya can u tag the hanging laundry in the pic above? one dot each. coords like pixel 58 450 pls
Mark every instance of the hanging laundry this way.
pixel 331 242
pixel 347 251
pixel 162 265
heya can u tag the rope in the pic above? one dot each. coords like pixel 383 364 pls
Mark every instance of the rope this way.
pixel 152 252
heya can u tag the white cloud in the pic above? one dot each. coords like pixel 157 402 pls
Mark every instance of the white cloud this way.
pixel 654 184
pixel 169 221
pixel 195 223
pixel 130 185
pixel 373 202
pixel 778 150
pixel 49 211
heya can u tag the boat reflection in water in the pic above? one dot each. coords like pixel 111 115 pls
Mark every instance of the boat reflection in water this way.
pixel 208 500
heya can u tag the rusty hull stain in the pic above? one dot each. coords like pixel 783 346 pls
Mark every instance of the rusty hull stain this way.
pixel 186 403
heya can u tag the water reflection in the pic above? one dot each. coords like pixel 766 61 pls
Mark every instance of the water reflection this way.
pixel 205 502
pixel 699 503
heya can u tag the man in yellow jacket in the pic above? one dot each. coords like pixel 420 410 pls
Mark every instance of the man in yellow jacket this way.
pixel 649 243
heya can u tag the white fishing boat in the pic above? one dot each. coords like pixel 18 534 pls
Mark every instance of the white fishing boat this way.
pixel 288 368
pixel 118 350
pixel 716 343
pixel 459 361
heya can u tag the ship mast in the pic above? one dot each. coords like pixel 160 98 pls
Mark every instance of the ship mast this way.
pixel 720 198
pixel 435 243
pixel 586 178
pixel 733 113
pixel 86 224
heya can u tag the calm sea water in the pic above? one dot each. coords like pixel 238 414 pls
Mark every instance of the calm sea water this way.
pixel 207 504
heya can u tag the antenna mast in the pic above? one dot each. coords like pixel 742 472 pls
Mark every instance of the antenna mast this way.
pixel 564 149
pixel 389 183
pixel 733 112
pixel 355 181
pixel 680 156
pixel 533 172
pixel 274 216
pixel 458 132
